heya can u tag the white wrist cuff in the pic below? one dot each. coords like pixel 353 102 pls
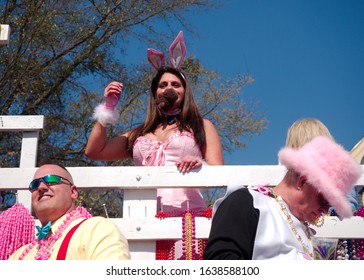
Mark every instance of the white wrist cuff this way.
pixel 104 115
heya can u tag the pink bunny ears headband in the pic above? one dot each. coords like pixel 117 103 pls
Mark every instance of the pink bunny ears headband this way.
pixel 177 52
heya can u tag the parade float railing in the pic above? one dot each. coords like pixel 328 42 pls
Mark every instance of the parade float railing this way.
pixel 139 224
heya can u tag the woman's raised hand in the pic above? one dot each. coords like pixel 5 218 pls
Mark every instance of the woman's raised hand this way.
pixel 112 94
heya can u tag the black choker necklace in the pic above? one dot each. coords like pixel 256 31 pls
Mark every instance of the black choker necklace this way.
pixel 171 119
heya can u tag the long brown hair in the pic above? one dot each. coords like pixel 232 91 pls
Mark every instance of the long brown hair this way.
pixel 190 117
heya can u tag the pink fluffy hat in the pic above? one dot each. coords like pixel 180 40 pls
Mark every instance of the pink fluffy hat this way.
pixel 328 167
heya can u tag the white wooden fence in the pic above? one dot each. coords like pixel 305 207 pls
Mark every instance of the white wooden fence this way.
pixel 139 224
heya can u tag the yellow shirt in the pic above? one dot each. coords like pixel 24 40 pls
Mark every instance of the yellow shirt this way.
pixel 95 239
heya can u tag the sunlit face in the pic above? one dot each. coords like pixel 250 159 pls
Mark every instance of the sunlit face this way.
pixel 51 202
pixel 171 81
pixel 311 204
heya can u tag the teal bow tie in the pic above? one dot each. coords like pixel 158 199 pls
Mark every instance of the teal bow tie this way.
pixel 43 231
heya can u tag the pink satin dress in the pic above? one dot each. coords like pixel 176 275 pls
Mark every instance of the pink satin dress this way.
pixel 148 152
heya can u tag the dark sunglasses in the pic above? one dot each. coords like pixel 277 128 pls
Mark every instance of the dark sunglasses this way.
pixel 323 201
pixel 48 180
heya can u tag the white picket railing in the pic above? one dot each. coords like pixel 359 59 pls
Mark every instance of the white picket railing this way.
pixel 139 224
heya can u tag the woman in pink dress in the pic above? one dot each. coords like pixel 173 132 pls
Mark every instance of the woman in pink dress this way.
pixel 173 133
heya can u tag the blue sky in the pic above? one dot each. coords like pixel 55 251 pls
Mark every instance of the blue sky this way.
pixel 307 59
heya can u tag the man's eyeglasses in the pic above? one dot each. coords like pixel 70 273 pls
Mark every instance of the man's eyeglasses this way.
pixel 48 180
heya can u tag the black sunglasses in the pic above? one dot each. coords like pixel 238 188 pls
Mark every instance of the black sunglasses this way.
pixel 49 180
pixel 323 201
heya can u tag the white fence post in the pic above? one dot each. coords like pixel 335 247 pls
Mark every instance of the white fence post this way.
pixel 30 127
pixel 4 34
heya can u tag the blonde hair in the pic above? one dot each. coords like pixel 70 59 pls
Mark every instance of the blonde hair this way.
pixel 304 130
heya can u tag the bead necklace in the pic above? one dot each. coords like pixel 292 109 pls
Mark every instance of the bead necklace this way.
pixel 201 243
pixel 351 249
pixel 45 246
pixel 342 250
pixel 192 248
pixel 188 236
pixel 165 249
pixel 291 224
pixel 16 229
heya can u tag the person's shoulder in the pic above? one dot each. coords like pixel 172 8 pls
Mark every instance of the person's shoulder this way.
pixel 97 225
pixel 98 219
pixel 207 121
pixel 238 195
pixel 234 202
pixel 240 192
pixel 208 125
